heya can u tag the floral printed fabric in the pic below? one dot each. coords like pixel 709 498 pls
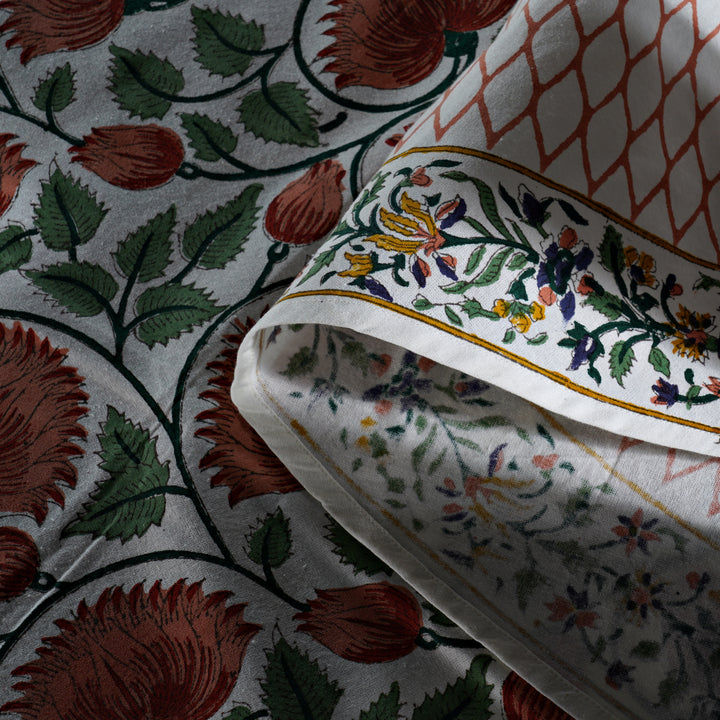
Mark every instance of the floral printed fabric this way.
pixel 165 169
pixel 500 371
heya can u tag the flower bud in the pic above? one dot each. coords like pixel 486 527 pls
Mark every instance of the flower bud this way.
pixel 309 207
pixel 369 624
pixel 134 157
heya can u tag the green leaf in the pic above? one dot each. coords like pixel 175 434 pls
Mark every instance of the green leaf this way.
pixel 143 84
pixel 67 214
pixel 322 260
pixel 474 260
pixel 167 311
pixel 518 260
pixel 280 113
pixel 271 542
pixel 487 200
pixel 83 288
pixel 422 303
pixel 509 336
pixel 437 617
pixel 218 236
pixel 210 139
pixel 659 360
pixel 608 304
pixel 386 707
pixel 56 91
pixel 239 712
pixel 301 363
pixel 489 421
pixel 539 339
pixel 421 450
pixel 573 555
pixel 646 649
pixel 294 686
pixel 467 699
pixel 611 249
pixel 474 309
pixel 354 553
pixel 145 253
pixel 622 357
pixel 225 44
pixel 371 194
pixel 452 316
pixel 15 248
pixel 131 499
pixel 705 282
pixel 491 272
pixel 571 212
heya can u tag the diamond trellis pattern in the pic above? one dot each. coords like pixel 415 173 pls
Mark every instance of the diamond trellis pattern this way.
pixel 618 100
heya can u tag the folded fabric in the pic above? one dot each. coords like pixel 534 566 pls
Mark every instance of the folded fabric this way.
pixel 483 371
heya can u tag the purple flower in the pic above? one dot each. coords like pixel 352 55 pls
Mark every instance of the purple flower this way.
pixel 666 393
pixel 583 350
pixel 377 289
pixel 618 673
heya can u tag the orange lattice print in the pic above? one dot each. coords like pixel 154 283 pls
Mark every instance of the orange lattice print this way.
pixel 642 64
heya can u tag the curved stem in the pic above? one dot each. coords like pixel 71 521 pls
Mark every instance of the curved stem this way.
pixel 54 129
pixel 428 639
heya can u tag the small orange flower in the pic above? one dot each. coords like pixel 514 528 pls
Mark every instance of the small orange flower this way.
pixel 691 338
pixel 714 385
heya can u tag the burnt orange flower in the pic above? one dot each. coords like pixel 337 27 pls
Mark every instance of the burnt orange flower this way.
pixel 246 464
pixel 45 26
pixel 396 43
pixel 309 207
pixel 134 157
pixel 19 561
pixel 161 654
pixel 12 169
pixel 369 624
pixel 40 404
pixel 521 701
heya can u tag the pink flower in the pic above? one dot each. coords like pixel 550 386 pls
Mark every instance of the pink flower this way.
pixel 635 532
pixel 419 177
pixel 573 609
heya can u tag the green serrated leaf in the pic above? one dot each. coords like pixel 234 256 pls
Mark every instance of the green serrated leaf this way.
pixel 491 272
pixel 15 248
pixel 143 84
pixel 210 139
pixel 145 253
pixel 81 287
pixel 608 304
pixel 386 707
pixel 295 688
pixel 371 194
pixel 474 309
pixel 518 261
pixel 353 552
pixel 611 249
pixel 301 363
pixel 705 282
pixel 452 316
pixel 56 91
pixel 218 236
pixel 67 214
pixel 166 311
pixel 270 544
pixel 466 699
pixel 131 499
pixel 659 360
pixel 474 260
pixel 622 357
pixel 280 113
pixel 225 44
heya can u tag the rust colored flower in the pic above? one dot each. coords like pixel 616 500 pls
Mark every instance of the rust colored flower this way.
pixel 309 207
pixel 247 465
pixel 134 157
pixel 162 654
pixel 692 333
pixel 45 26
pixel 573 610
pixel 521 701
pixel 40 404
pixel 635 531
pixel 369 624
pixel 713 385
pixel 396 43
pixel 12 169
pixel 19 561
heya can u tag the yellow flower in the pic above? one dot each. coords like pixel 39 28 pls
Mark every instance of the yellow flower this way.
pixel 641 266
pixel 418 225
pixel 691 340
pixel 521 322
pixel 501 308
pixel 360 265
pixel 538 311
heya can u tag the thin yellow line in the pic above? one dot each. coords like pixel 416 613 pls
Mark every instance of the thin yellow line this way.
pixel 518 359
pixel 302 432
pixel 633 486
pixel 592 204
